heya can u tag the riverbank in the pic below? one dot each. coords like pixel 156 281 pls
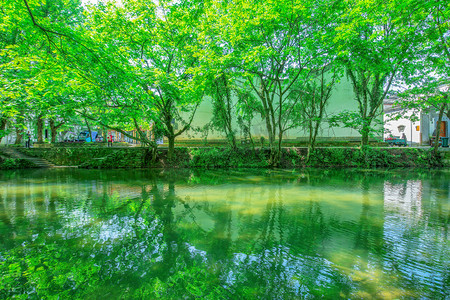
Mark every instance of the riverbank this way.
pixel 15 163
pixel 7 162
pixel 213 157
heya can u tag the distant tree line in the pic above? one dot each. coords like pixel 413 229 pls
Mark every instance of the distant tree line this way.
pixel 138 64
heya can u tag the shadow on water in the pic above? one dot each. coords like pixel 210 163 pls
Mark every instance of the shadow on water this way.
pixel 224 233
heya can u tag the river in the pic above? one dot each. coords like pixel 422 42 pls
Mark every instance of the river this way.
pixel 225 234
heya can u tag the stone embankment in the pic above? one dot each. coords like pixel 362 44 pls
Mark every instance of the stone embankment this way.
pixel 446 156
pixel 39 162
pixel 221 157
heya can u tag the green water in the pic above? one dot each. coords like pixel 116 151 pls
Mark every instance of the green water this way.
pixel 143 234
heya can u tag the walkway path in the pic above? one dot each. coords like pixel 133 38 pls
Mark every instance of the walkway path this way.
pixel 39 162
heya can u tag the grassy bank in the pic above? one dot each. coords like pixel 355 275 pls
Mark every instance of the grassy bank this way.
pixel 9 163
pixel 89 157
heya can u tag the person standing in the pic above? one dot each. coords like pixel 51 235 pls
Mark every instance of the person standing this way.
pixel 28 140
pixel 110 140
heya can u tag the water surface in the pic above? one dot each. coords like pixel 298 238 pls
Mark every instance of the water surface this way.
pixel 224 234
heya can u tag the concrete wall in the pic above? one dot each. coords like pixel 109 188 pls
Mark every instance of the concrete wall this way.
pixel 426 126
pixel 412 132
pixel 429 124
pixel 342 98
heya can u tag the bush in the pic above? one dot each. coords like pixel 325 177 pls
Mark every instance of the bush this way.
pixel 70 156
pixel 368 157
pixel 228 158
pixel 214 157
pixel 15 163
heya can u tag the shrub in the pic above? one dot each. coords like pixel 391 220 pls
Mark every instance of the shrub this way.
pixel 228 158
pixel 15 163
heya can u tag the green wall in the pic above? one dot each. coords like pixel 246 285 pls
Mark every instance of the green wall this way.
pixel 342 98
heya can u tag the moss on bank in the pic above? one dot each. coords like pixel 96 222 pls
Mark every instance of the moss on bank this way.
pixel 368 157
pixel 9 163
pixel 90 156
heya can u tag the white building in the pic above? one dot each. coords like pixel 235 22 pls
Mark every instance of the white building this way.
pixel 417 125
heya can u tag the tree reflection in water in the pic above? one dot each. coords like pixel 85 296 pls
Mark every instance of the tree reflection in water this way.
pixel 223 234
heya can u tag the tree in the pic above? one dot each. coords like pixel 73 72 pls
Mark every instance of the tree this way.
pixel 430 94
pixel 70 72
pixel 428 83
pixel 26 53
pixel 270 46
pixel 13 54
pixel 314 97
pixel 375 39
pixel 143 70
pixel 223 99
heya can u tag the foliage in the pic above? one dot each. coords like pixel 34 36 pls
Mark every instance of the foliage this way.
pixel 228 158
pixel 354 120
pixel 155 73
pixel 122 158
pixel 145 66
pixel 426 85
pixel 269 51
pixel 375 46
pixel 223 108
pixel 215 157
pixel 33 80
pixel 368 157
pixel 426 80
pixel 15 163
pixel 315 97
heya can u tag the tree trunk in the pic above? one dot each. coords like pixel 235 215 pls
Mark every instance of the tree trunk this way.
pixel 171 139
pixel 53 129
pixel 150 156
pixel 89 128
pixel 3 122
pixel 250 137
pixel 19 132
pixel 272 146
pixel 312 140
pixel 447 107
pixel 40 129
pixel 170 134
pixel 270 133
pixel 227 114
pixel 438 128
pixel 277 154
pixel 365 133
pixel 230 135
pixel 364 139
pixel 232 141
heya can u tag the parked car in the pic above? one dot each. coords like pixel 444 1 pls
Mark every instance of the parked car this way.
pixel 70 137
pixel 84 136
pixel 396 141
